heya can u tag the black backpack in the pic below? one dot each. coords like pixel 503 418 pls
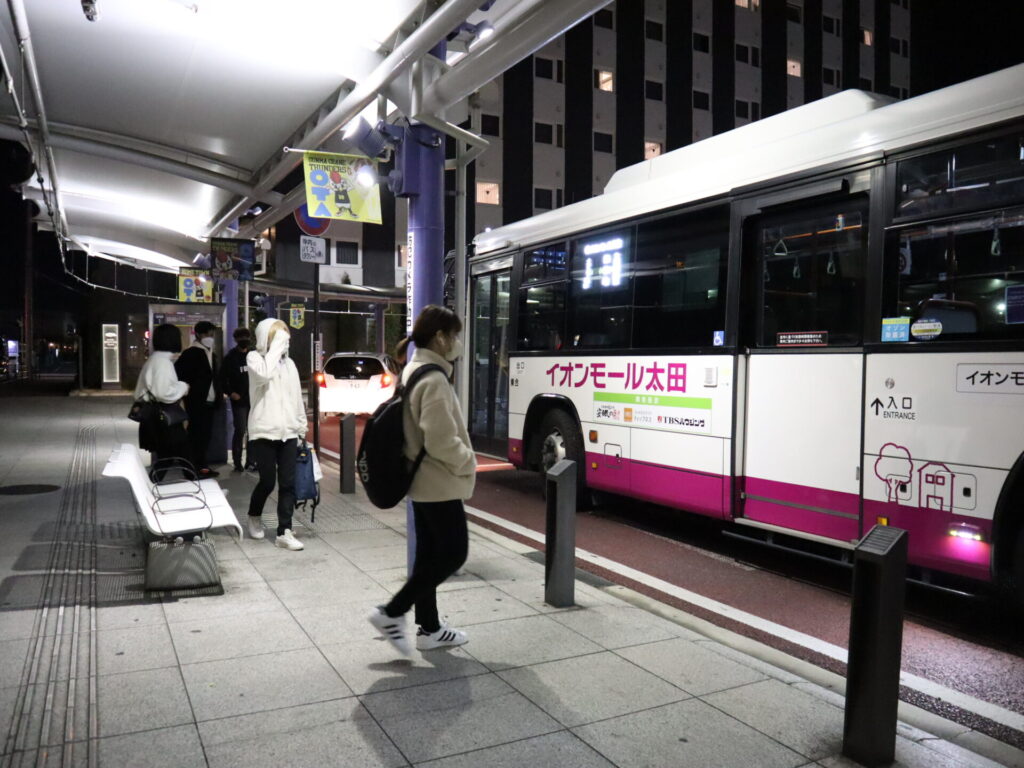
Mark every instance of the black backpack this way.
pixel 380 461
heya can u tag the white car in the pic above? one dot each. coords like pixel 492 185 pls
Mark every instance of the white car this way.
pixel 356 382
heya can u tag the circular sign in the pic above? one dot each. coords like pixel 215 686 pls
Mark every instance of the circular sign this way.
pixel 926 328
pixel 311 226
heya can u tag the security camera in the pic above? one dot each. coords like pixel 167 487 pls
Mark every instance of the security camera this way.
pixel 90 10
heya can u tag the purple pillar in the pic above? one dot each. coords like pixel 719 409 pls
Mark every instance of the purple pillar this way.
pixel 229 290
pixel 420 163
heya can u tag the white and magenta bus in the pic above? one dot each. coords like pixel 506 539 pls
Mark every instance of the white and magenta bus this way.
pixel 807 325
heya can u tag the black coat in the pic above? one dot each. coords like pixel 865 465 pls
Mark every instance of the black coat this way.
pixel 193 368
pixel 234 374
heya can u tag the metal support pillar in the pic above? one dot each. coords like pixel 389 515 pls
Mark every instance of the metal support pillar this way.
pixel 347 449
pixel 28 332
pixel 560 538
pixel 876 635
pixel 379 320
pixel 314 383
pixel 229 292
pixel 420 161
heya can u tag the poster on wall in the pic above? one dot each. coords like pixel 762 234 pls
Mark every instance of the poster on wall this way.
pixel 194 286
pixel 232 259
pixel 332 191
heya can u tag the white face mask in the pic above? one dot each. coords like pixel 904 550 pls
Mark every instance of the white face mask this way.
pixel 207 342
pixel 454 350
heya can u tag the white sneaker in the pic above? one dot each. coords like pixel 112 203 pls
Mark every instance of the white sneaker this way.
pixel 444 637
pixel 255 527
pixel 287 540
pixel 394 630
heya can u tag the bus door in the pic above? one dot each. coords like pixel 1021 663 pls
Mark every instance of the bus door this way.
pixel 488 395
pixel 800 463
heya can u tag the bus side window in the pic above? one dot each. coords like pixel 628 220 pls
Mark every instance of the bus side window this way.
pixel 966 274
pixel 542 316
pixel 811 266
pixel 679 298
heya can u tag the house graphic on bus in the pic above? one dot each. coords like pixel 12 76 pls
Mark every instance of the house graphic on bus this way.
pixel 936 486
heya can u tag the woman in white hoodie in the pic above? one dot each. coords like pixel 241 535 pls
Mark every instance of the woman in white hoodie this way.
pixel 158 382
pixel 433 420
pixel 277 419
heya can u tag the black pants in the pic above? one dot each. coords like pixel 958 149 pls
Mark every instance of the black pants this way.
pixel 200 428
pixel 166 443
pixel 274 459
pixel 240 419
pixel 442 544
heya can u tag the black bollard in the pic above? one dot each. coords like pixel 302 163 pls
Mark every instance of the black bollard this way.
pixel 347 450
pixel 876 636
pixel 560 543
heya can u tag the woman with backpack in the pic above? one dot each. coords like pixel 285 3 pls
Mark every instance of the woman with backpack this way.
pixel 277 419
pixel 447 475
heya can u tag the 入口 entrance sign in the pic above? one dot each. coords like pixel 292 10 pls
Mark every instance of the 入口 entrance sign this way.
pixel 312 250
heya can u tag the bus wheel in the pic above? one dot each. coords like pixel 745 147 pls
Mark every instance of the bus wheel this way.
pixel 561 439
pixel 1016 584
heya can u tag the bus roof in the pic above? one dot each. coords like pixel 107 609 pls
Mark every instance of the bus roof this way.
pixel 843 128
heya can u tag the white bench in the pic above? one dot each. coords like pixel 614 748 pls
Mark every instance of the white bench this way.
pixel 177 516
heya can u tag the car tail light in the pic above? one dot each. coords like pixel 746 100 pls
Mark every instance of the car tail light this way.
pixel 321 380
pixel 386 380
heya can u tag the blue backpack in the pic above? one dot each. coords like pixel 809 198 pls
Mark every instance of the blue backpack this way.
pixel 306 486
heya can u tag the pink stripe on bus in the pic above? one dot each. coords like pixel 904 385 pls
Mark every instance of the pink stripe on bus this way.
pixel 671 486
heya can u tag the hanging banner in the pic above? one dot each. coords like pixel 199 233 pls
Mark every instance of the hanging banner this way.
pixel 332 191
pixel 194 286
pixel 296 315
pixel 232 259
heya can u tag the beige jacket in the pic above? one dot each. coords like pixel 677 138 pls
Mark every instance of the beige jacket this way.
pixel 432 418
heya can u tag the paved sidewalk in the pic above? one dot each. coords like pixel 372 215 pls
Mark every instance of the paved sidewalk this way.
pixel 282 669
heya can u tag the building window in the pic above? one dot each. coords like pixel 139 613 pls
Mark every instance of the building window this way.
pixel 346 252
pixel 603 142
pixel 604 80
pixel 831 25
pixel 864 84
pixel 742 109
pixel 899 47
pixel 742 53
pixel 794 68
pixel 701 100
pixel 654 30
pixel 831 77
pixel 654 91
pixel 794 13
pixel 701 43
pixel 755 110
pixel 559 202
pixel 867 37
pixel 543 133
pixel 755 56
pixel 652 149
pixel 487 193
pixel 542 199
pixel 490 125
pixel 548 69
pixel 753 5
pixel 604 19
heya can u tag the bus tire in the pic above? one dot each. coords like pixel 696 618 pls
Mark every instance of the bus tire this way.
pixel 560 438
pixel 1016 570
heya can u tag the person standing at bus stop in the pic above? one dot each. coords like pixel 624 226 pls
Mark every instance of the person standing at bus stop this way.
pixel 235 383
pixel 277 419
pixel 197 367
pixel 433 420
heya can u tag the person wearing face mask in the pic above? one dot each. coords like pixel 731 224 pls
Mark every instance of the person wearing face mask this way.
pixel 277 419
pixel 235 383
pixel 197 367
pixel 443 481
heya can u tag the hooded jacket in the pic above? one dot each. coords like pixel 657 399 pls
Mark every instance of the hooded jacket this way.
pixel 158 380
pixel 275 396
pixel 434 420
